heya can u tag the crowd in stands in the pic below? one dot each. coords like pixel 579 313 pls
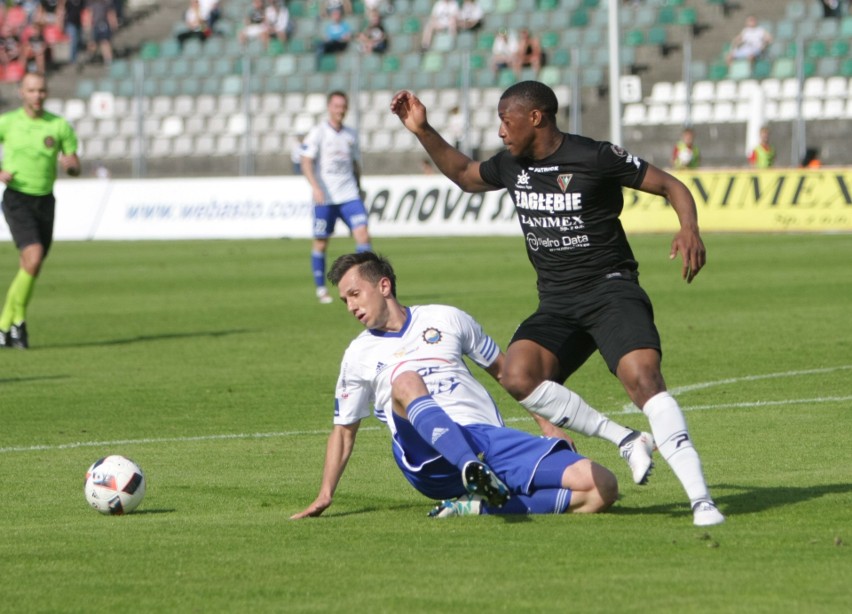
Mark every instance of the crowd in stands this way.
pixel 30 31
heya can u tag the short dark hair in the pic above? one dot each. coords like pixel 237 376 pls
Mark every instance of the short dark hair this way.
pixel 537 95
pixel 337 93
pixel 371 266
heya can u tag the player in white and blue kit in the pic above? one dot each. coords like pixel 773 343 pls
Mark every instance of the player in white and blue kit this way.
pixel 407 368
pixel 331 163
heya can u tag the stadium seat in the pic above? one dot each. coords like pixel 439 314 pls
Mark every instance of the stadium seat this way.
pixel 579 19
pixel 828 29
pixel 846 27
pixel 661 92
pixel 432 62
pixel 814 87
pixel 634 38
pixel 328 63
pixel 835 87
pixel 834 108
pixel 703 91
pixel 762 69
pixel 839 48
pixel 149 51
pixel 816 49
pixel 783 68
pixel 550 75
pixel 739 70
pixel 634 114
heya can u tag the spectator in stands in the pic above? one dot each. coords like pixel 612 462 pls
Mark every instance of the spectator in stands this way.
pixel 47 12
pixel 470 16
pixel 685 153
pixel 118 7
pixel 528 53
pixel 71 13
pixel 193 21
pixel 811 158
pixel 34 49
pixel 831 8
pixel 503 51
pixel 373 38
pixel 750 43
pixel 336 35
pixel 384 7
pixel 444 17
pixel 278 20
pixel 255 26
pixel 327 7
pixel 10 44
pixel 104 22
pixel 210 12
pixel 763 156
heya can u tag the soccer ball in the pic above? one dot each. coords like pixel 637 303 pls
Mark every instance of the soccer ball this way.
pixel 114 485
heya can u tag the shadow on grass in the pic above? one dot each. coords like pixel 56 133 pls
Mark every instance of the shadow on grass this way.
pixel 753 499
pixel 147 338
pixel 154 511
pixel 749 499
pixel 35 378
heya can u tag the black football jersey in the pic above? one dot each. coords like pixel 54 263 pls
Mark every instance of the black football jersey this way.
pixel 568 206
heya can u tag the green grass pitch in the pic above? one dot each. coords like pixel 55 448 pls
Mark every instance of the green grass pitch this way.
pixel 212 365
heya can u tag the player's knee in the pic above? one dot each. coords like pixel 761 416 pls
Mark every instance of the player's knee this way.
pixel 518 381
pixel 606 487
pixel 406 387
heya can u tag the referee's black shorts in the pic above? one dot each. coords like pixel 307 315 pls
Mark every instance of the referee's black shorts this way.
pixel 30 218
pixel 613 315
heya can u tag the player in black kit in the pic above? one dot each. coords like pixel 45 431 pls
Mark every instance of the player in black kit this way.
pixel 567 193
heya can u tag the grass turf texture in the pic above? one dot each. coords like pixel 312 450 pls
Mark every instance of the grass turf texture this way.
pixel 212 366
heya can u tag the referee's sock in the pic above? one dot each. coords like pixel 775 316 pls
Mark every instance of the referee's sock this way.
pixel 17 299
pixel 434 425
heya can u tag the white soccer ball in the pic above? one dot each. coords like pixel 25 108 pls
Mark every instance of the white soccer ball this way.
pixel 114 485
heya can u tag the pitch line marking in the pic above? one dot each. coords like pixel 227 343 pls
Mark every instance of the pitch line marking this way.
pixel 626 410
pixel 630 408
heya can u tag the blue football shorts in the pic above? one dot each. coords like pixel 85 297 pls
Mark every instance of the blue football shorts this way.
pixel 353 213
pixel 515 456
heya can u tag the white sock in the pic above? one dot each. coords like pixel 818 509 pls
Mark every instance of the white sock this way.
pixel 669 428
pixel 568 410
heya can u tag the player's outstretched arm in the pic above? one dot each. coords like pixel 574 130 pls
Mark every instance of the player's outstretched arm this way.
pixel 341 441
pixel 687 241
pixel 460 169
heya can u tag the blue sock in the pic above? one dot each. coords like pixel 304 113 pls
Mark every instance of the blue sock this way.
pixel 545 501
pixel 318 265
pixel 363 247
pixel 434 425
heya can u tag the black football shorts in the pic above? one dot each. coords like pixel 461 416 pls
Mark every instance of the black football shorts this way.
pixel 30 218
pixel 614 316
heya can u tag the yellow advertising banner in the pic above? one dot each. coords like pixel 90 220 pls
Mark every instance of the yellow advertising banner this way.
pixel 771 200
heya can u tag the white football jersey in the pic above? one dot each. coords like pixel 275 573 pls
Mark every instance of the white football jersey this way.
pixel 334 153
pixel 432 343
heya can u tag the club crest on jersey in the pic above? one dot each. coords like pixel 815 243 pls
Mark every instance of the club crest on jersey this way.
pixel 49 142
pixel 619 151
pixel 564 180
pixel 432 336
pixel 523 179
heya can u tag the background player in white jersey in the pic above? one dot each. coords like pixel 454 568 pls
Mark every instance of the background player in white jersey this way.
pixel 567 191
pixel 331 163
pixel 408 368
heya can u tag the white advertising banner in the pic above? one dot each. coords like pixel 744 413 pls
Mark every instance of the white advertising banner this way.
pixel 265 207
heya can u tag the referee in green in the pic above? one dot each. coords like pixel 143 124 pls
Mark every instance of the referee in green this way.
pixel 33 141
